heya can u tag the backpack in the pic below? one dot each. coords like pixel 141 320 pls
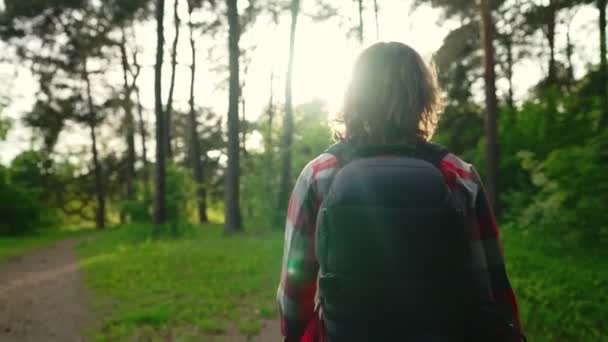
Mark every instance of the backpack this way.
pixel 393 250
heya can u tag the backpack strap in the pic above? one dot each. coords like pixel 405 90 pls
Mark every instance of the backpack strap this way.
pixel 429 152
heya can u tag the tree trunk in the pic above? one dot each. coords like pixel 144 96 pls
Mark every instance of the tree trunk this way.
pixel 551 39
pixel 129 121
pixel 601 4
pixel 377 21
pixel 287 140
pixel 197 166
pixel 169 109
pixel 159 198
pixel 244 125
pixel 360 21
pixel 509 46
pixel 100 214
pixel 569 53
pixel 142 131
pixel 270 112
pixel 231 191
pixel 487 31
pixel 144 148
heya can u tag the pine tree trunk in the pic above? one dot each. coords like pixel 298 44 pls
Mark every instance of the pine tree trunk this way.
pixel 487 31
pixel 159 196
pixel 197 166
pixel 231 191
pixel 287 139
pixel 377 21
pixel 601 4
pixel 243 125
pixel 169 109
pixel 509 46
pixel 144 148
pixel 551 39
pixel 270 113
pixel 360 21
pixel 129 122
pixel 142 131
pixel 100 214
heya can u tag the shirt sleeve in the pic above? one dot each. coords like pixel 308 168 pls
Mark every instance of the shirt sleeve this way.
pixel 489 239
pixel 487 264
pixel 298 285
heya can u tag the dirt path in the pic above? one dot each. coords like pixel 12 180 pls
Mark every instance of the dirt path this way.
pixel 42 297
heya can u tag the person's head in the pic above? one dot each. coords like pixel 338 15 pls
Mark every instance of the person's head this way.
pixel 393 97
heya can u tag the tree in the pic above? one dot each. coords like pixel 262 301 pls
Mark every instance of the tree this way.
pixel 601 6
pixel 231 191
pixel 287 140
pixel 487 32
pixel 360 3
pixel 92 121
pixel 195 148
pixel 159 197
pixel 377 21
pixel 129 120
pixel 169 108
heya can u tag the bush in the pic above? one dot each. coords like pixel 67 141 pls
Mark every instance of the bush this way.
pixel 20 210
pixel 570 192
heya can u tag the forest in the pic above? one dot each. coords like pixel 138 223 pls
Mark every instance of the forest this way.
pixel 159 141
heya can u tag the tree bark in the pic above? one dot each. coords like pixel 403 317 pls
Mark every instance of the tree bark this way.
pixel 271 112
pixel 142 131
pixel 231 191
pixel 287 140
pixel 377 21
pixel 100 214
pixel 197 166
pixel 144 148
pixel 360 21
pixel 244 125
pixel 509 46
pixel 601 4
pixel 487 31
pixel 551 39
pixel 169 109
pixel 129 121
pixel 159 198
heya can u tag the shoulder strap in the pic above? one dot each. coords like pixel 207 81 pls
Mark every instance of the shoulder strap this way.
pixel 429 152
pixel 343 151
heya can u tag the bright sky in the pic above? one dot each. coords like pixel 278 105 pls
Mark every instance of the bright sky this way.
pixel 322 64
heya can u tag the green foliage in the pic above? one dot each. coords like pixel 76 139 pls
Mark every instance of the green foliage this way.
pixel 20 210
pixel 259 188
pixel 177 183
pixel 570 192
pixel 561 287
pixel 201 283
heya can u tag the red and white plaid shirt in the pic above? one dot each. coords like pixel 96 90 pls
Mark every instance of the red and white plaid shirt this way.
pixel 298 286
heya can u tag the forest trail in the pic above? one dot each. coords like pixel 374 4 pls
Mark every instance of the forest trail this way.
pixel 42 296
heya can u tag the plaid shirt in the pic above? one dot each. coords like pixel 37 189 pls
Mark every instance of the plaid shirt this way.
pixel 298 286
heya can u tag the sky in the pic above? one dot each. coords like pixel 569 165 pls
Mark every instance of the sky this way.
pixel 323 60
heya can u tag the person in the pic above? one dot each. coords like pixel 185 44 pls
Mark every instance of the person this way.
pixel 351 273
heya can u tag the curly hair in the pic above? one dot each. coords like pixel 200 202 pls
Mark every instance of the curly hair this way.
pixel 393 98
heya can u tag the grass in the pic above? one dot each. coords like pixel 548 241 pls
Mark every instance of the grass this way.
pixel 562 289
pixel 198 284
pixel 204 283
pixel 11 246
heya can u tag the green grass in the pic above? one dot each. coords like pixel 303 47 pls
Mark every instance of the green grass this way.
pixel 562 289
pixel 205 283
pixel 17 245
pixel 201 283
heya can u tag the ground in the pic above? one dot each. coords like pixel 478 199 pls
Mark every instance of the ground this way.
pixel 42 297
pixel 134 284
